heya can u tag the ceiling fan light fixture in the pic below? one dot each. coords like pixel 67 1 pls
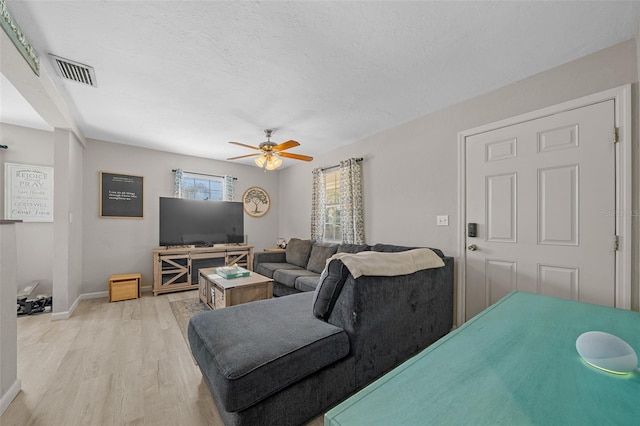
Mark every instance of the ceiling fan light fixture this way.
pixel 271 152
pixel 273 163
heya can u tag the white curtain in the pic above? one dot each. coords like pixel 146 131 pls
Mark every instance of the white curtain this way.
pixel 318 205
pixel 177 183
pixel 227 188
pixel 351 208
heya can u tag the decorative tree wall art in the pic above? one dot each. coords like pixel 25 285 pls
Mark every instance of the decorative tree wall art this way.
pixel 256 201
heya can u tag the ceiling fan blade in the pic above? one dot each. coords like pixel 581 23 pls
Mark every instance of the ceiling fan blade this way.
pixel 243 156
pixel 245 145
pixel 286 145
pixel 295 156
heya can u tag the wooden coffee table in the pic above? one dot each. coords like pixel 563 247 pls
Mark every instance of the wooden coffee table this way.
pixel 218 292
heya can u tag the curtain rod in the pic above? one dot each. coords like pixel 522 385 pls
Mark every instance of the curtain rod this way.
pixel 201 174
pixel 358 160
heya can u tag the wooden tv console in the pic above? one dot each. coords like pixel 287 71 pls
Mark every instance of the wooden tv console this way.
pixel 176 268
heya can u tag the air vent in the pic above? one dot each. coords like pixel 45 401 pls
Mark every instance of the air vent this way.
pixel 75 71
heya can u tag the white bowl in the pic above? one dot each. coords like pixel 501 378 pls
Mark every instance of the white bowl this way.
pixel 607 352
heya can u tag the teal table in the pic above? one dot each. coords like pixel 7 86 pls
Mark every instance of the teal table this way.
pixel 514 364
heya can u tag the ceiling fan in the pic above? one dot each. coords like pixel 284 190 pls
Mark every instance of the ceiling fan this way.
pixel 270 152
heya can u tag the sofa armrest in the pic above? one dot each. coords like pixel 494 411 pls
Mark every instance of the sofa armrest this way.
pixel 389 319
pixel 268 257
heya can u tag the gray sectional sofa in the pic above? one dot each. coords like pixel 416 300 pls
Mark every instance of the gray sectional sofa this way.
pixel 285 360
pixel 298 268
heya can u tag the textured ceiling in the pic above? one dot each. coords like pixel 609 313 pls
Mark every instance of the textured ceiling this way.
pixel 14 108
pixel 188 76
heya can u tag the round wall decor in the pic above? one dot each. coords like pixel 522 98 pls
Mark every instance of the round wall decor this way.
pixel 256 201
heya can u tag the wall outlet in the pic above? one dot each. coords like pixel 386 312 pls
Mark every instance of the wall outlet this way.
pixel 442 220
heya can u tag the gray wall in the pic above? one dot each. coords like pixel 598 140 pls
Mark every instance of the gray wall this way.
pixel 107 246
pixel 635 154
pixel 410 176
pixel 67 226
pixel 34 241
pixel 411 171
pixel 117 246
pixel 9 383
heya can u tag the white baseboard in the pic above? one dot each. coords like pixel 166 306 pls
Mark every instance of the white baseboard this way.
pixel 95 295
pixel 67 314
pixel 10 395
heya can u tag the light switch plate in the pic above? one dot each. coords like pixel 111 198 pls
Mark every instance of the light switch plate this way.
pixel 442 220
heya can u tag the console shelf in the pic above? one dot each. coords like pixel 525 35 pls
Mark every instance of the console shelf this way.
pixel 176 268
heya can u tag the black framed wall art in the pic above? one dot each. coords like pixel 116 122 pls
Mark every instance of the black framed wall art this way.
pixel 121 195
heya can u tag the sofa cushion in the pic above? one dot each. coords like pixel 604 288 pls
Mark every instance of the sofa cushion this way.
pixel 320 252
pixel 298 251
pixel 307 283
pixel 250 351
pixel 267 269
pixel 329 287
pixel 353 248
pixel 288 276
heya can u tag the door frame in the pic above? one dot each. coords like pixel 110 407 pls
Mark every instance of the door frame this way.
pixel 622 109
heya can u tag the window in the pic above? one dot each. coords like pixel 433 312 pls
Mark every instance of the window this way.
pixel 332 231
pixel 200 187
pixel 336 203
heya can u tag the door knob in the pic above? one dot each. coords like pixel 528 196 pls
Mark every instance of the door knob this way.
pixel 473 247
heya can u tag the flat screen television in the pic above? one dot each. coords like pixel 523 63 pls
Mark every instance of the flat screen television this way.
pixel 200 222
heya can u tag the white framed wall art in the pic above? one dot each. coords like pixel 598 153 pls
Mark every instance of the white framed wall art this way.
pixel 28 192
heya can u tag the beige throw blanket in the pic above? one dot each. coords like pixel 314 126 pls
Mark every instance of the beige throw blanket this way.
pixel 375 263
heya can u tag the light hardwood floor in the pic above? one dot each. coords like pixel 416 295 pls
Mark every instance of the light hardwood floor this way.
pixel 122 363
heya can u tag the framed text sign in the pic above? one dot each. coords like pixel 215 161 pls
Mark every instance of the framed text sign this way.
pixel 121 195
pixel 28 192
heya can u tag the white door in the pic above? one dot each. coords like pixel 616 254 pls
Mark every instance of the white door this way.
pixel 542 194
